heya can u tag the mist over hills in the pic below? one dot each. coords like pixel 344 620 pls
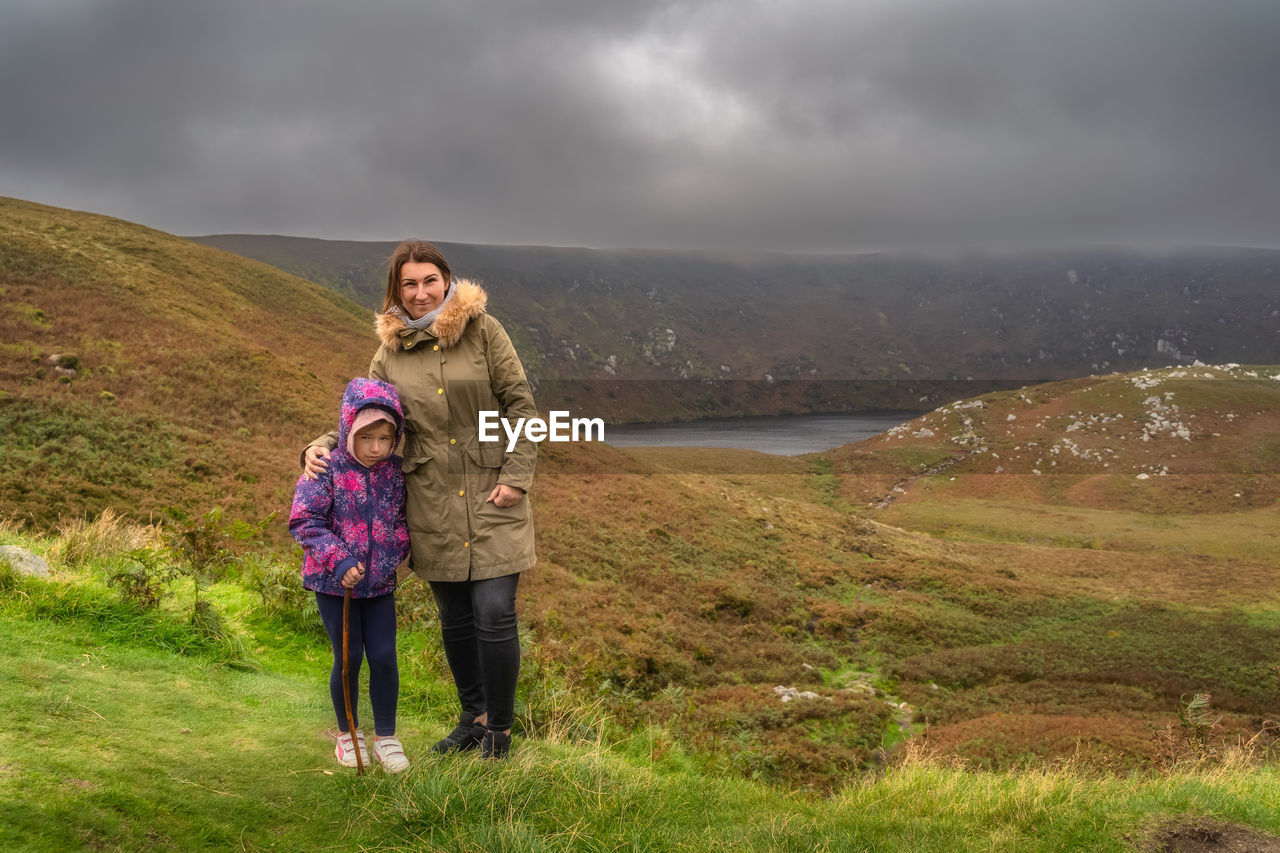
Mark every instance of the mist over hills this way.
pixel 765 333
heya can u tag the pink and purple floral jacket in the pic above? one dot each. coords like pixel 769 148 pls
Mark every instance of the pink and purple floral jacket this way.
pixel 353 514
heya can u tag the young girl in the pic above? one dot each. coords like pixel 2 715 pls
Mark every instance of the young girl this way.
pixel 350 522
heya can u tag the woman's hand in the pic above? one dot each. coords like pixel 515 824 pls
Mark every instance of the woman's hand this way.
pixel 317 459
pixel 353 576
pixel 504 496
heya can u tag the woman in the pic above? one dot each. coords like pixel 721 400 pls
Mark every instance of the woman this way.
pixel 470 529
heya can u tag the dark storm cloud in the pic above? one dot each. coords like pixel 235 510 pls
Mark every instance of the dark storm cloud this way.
pixel 802 125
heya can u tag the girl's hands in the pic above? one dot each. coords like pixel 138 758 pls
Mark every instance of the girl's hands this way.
pixel 353 576
pixel 317 459
pixel 504 496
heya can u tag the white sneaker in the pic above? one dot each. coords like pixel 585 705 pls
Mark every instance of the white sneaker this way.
pixel 346 755
pixel 390 752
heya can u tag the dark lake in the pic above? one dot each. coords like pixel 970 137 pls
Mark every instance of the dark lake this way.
pixel 784 435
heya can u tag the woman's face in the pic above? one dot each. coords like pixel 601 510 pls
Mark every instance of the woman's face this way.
pixel 421 288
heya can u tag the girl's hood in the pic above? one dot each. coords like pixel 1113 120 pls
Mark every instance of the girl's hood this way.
pixel 368 392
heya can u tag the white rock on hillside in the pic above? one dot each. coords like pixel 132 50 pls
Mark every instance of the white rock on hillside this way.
pixel 23 561
pixel 790 694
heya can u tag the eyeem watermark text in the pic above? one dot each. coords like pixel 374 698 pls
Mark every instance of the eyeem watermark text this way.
pixel 560 427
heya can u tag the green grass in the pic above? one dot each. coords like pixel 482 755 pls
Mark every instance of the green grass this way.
pixel 88 607
pixel 121 735
pixel 111 747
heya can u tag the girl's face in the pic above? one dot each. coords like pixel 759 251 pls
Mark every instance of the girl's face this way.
pixel 422 288
pixel 374 443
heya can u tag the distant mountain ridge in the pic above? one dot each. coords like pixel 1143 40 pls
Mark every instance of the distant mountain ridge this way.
pixel 759 333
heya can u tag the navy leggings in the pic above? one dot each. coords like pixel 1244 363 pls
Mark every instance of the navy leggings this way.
pixel 482 645
pixel 371 634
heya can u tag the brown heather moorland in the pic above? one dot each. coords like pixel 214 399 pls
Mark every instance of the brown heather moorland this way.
pixel 1145 506
pixel 926 584
pixel 188 373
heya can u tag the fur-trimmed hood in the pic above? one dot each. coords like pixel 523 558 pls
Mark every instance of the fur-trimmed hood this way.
pixel 467 304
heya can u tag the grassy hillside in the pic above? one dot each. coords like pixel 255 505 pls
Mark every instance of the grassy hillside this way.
pixel 138 369
pixel 128 728
pixel 657 334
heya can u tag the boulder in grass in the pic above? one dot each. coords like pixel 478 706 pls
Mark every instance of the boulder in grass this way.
pixel 23 561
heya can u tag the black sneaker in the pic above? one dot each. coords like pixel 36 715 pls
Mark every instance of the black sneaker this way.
pixel 495 744
pixel 466 735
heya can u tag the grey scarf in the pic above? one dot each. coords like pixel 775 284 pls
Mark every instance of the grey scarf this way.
pixel 424 322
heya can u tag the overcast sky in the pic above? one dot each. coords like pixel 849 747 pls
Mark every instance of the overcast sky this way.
pixel 774 124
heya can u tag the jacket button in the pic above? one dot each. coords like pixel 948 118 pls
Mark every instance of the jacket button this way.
pixel 453 441
pixel 439 390
pixel 466 544
pixel 461 492
pixel 436 347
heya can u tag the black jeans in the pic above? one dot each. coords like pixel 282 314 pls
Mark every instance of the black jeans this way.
pixel 371 633
pixel 481 643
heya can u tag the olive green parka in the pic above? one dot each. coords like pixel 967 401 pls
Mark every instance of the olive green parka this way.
pixel 463 364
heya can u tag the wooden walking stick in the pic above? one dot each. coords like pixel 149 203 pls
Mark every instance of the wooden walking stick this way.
pixel 346 685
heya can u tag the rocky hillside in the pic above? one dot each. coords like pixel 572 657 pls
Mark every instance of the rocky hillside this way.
pixel 1188 439
pixel 701 334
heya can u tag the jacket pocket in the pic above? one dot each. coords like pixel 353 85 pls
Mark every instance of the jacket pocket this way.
pixel 487 455
pixel 412 462
pixel 484 469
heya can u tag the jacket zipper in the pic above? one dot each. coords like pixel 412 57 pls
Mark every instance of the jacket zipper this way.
pixel 368 505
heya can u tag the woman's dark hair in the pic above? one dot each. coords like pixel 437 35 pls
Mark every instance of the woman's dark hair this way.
pixel 419 252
